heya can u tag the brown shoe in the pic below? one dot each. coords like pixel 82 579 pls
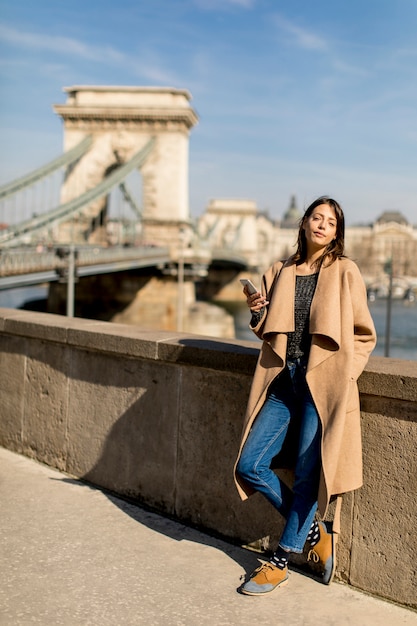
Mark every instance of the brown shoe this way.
pixel 265 579
pixel 323 555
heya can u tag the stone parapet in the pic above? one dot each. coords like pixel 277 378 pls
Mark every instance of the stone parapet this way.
pixel 156 417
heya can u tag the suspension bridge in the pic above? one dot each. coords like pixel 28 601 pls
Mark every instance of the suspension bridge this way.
pixel 115 138
pixel 18 233
pixel 29 252
pixel 116 200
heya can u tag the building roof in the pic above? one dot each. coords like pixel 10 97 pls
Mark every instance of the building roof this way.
pixel 392 216
pixel 292 216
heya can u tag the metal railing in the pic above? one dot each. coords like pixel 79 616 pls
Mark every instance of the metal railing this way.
pixel 27 260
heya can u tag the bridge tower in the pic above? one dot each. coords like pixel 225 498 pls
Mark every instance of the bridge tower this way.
pixel 121 121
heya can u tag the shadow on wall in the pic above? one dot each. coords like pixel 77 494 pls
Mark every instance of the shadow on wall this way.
pixel 174 446
pixel 163 433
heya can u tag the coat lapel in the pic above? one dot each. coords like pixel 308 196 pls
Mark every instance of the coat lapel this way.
pixel 325 316
pixel 280 319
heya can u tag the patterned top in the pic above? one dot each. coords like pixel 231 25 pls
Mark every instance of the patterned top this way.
pixel 298 341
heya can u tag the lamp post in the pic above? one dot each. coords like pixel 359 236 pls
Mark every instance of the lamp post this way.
pixel 67 274
pixel 180 277
pixel 71 281
pixel 389 270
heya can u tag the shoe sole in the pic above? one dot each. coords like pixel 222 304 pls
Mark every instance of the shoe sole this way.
pixel 264 593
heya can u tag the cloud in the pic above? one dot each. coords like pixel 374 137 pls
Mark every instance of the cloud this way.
pixel 349 69
pixel 59 45
pixel 302 37
pixel 152 72
pixel 214 5
pixel 247 4
pixel 148 69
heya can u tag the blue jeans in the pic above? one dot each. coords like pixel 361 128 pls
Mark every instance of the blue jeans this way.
pixel 289 400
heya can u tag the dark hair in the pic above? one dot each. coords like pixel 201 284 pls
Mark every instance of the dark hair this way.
pixel 335 248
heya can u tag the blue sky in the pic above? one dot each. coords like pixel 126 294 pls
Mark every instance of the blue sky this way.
pixel 293 96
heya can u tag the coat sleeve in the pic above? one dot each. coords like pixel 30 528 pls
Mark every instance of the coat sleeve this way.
pixel 268 282
pixel 364 329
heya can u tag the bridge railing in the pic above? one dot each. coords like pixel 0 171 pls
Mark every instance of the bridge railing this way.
pixel 27 260
pixel 21 261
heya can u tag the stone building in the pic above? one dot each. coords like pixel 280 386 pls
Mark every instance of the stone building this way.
pixel 389 239
pixel 239 225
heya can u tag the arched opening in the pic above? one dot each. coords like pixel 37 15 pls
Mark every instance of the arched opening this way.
pixel 123 211
pixel 116 219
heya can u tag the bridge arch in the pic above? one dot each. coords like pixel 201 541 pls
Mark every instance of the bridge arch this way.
pixel 121 121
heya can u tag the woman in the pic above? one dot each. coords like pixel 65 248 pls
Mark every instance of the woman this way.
pixel 303 409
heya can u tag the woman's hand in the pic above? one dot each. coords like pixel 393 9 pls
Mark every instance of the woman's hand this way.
pixel 256 301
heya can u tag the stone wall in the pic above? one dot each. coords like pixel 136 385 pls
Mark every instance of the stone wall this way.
pixel 156 417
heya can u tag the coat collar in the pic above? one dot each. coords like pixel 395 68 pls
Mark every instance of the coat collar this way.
pixel 280 317
pixel 325 320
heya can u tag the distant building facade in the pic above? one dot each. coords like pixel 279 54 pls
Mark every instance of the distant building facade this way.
pixel 389 239
pixel 237 224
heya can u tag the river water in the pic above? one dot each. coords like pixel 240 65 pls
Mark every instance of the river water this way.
pixel 403 340
pixel 22 296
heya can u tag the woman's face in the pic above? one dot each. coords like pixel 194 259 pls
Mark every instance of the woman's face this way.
pixel 320 227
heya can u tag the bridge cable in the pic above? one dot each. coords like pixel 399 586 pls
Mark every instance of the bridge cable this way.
pixel 64 159
pixel 14 233
pixel 130 199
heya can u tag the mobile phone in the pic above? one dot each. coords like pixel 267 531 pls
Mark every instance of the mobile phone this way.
pixel 249 284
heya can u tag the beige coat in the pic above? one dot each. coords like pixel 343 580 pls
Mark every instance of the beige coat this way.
pixel 343 336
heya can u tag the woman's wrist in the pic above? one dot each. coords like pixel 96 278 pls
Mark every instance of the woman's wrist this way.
pixel 257 316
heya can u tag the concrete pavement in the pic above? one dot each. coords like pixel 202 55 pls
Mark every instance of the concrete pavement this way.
pixel 72 555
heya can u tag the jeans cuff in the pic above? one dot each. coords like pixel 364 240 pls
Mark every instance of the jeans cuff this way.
pixel 288 549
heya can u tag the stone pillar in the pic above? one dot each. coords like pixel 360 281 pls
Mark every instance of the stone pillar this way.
pixel 230 223
pixel 121 120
